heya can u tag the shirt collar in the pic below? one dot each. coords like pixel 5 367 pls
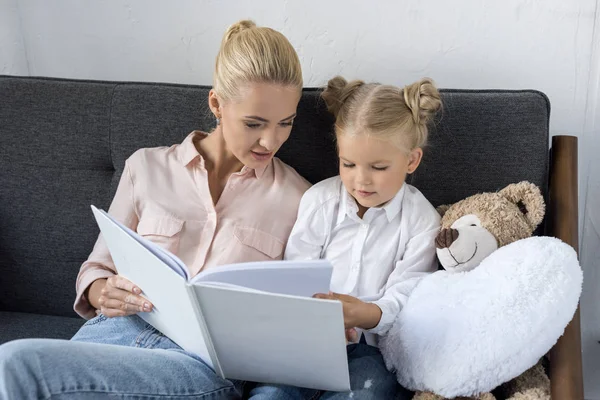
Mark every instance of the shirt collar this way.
pixel 258 172
pixel 394 206
pixel 187 153
pixel 349 208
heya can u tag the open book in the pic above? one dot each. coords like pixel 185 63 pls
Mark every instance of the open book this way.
pixel 252 321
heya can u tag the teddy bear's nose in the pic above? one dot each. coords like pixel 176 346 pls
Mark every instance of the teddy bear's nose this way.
pixel 445 238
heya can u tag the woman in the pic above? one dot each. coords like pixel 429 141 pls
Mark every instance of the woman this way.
pixel 214 199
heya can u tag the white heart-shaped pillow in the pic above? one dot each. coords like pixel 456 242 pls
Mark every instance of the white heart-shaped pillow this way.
pixel 461 334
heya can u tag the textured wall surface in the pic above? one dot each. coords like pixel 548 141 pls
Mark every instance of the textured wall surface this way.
pixel 13 60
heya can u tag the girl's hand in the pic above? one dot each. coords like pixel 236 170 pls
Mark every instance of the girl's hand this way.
pixel 357 313
pixel 119 297
pixel 351 335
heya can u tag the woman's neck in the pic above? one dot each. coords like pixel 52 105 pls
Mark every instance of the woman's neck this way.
pixel 219 161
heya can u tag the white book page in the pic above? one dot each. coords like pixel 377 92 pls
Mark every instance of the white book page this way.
pixel 173 313
pixel 297 278
pixel 170 259
pixel 274 338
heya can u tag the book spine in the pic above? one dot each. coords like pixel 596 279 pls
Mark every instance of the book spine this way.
pixel 204 329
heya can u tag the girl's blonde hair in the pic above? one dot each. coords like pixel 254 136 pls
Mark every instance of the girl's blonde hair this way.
pixel 251 54
pixel 383 111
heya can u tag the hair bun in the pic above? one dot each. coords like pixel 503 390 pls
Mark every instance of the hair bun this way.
pixel 423 99
pixel 338 91
pixel 237 28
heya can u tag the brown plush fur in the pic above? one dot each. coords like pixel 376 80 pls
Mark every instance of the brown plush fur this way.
pixel 500 213
pixel 511 214
pixel 533 384
pixel 431 396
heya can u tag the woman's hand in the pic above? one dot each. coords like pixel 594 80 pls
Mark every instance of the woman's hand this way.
pixel 118 297
pixel 357 313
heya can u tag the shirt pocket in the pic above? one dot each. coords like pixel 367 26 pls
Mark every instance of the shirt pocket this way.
pixel 164 231
pixel 264 242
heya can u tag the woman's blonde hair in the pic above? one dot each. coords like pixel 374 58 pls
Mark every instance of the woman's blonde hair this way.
pixel 251 54
pixel 383 111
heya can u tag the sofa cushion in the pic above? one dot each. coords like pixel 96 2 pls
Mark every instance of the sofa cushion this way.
pixel 15 325
pixel 484 140
pixel 54 162
pixel 63 144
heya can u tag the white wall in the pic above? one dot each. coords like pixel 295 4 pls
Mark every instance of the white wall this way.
pixel 467 43
pixel 590 239
pixel 13 60
pixel 545 45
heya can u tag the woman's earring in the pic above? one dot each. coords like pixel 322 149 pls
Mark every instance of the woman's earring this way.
pixel 218 121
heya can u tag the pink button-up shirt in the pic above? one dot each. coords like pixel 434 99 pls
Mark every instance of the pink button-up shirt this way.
pixel 164 196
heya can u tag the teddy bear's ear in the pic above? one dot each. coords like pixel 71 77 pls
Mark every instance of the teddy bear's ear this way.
pixel 529 199
pixel 442 209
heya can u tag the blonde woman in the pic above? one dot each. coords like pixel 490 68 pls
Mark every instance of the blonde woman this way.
pixel 377 231
pixel 191 198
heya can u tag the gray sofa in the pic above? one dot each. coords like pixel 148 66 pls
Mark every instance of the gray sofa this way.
pixel 63 144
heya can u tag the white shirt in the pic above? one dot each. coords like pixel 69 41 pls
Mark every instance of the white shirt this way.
pixel 378 258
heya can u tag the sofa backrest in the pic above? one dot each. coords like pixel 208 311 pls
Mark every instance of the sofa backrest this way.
pixel 63 144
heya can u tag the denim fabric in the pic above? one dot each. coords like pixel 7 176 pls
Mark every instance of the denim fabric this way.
pixel 369 379
pixel 108 358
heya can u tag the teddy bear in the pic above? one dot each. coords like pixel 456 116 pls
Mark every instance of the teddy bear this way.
pixel 475 227
pixel 477 231
pixel 533 384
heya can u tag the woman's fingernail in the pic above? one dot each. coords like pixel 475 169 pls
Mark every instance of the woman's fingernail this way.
pixel 146 306
pixel 136 290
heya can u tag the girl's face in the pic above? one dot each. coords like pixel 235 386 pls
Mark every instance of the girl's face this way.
pixel 257 123
pixel 374 170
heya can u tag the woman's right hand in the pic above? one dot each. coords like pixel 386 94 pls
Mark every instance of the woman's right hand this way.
pixel 119 297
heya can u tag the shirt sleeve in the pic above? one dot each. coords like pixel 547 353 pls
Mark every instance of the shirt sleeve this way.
pixel 419 259
pixel 100 264
pixel 309 233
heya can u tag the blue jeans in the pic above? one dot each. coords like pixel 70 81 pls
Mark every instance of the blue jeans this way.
pixel 108 358
pixel 369 379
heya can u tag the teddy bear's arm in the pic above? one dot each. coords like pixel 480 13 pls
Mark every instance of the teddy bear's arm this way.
pixel 533 384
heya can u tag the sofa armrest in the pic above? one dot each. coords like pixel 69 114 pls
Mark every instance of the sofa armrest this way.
pixel 566 375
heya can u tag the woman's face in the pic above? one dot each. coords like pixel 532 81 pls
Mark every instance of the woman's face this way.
pixel 258 121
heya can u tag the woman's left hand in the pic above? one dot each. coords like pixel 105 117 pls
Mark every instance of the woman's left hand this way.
pixel 357 313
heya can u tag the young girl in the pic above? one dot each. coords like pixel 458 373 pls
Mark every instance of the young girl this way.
pixel 377 230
